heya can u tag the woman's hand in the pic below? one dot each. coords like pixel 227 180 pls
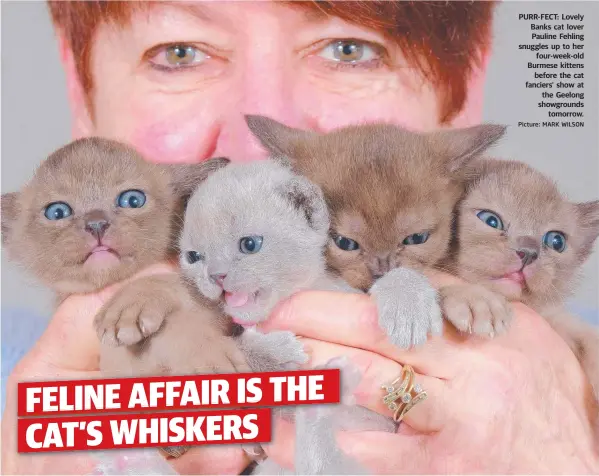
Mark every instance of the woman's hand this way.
pixel 69 350
pixel 518 403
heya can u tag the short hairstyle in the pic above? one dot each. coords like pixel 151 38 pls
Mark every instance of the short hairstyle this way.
pixel 444 40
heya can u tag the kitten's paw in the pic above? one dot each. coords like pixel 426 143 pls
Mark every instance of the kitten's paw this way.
pixel 408 307
pixel 273 351
pixel 350 377
pixel 128 318
pixel 475 309
pixel 287 349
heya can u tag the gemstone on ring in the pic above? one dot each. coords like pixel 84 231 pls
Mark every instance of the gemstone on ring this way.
pixel 406 398
pixel 417 388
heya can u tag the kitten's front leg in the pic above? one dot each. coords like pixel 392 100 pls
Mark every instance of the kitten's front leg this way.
pixel 316 449
pixel 408 307
pixel 139 309
pixel 273 351
pixel 472 308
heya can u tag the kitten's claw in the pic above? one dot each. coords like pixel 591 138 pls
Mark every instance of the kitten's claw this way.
pixel 475 309
pixel 407 307
pixel 133 314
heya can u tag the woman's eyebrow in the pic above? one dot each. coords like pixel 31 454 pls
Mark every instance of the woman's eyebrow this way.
pixel 200 10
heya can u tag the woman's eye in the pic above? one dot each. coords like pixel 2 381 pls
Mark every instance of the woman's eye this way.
pixel 131 199
pixel 250 244
pixel 416 238
pixel 178 56
pixel 57 211
pixel 350 52
pixel 346 244
pixel 491 219
pixel 555 240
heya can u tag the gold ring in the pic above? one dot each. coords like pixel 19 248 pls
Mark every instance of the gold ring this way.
pixel 403 394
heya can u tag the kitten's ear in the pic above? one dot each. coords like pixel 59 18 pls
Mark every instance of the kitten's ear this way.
pixel 278 139
pixel 10 210
pixel 588 220
pixel 308 198
pixel 186 177
pixel 459 146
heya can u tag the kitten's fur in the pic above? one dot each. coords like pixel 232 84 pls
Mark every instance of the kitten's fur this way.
pixel 89 174
pixel 383 184
pixel 262 199
pixel 289 212
pixel 529 206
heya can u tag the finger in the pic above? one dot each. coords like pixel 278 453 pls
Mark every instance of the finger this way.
pixel 351 320
pixel 387 453
pixel 70 341
pixel 221 459
pixel 427 416
pixel 282 446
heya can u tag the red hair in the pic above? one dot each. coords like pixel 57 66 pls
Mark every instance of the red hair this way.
pixel 444 40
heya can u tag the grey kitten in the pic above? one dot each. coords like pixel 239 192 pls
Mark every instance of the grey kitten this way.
pixel 253 235
pixel 518 236
pixel 391 195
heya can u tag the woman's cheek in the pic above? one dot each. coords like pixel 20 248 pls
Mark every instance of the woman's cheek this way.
pixel 167 129
pixel 413 109
pixel 176 140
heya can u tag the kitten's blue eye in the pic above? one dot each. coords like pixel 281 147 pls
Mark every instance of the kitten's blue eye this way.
pixel 346 244
pixel 58 211
pixel 555 240
pixel 193 257
pixel 491 219
pixel 416 238
pixel 131 199
pixel 250 244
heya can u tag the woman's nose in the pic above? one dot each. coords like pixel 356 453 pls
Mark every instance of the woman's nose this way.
pixel 266 87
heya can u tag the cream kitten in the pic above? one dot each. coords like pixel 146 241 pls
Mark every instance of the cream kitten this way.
pixel 517 235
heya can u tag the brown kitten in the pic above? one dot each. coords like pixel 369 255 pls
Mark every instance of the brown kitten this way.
pixel 95 213
pixel 391 195
pixel 519 236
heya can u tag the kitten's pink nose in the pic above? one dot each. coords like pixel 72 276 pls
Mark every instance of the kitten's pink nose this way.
pixel 96 223
pixel 528 250
pixel 380 265
pixel 218 278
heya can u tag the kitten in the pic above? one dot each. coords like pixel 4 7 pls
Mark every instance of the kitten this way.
pixel 253 234
pixel 95 213
pixel 518 236
pixel 391 195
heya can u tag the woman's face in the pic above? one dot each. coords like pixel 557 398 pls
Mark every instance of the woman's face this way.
pixel 177 81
